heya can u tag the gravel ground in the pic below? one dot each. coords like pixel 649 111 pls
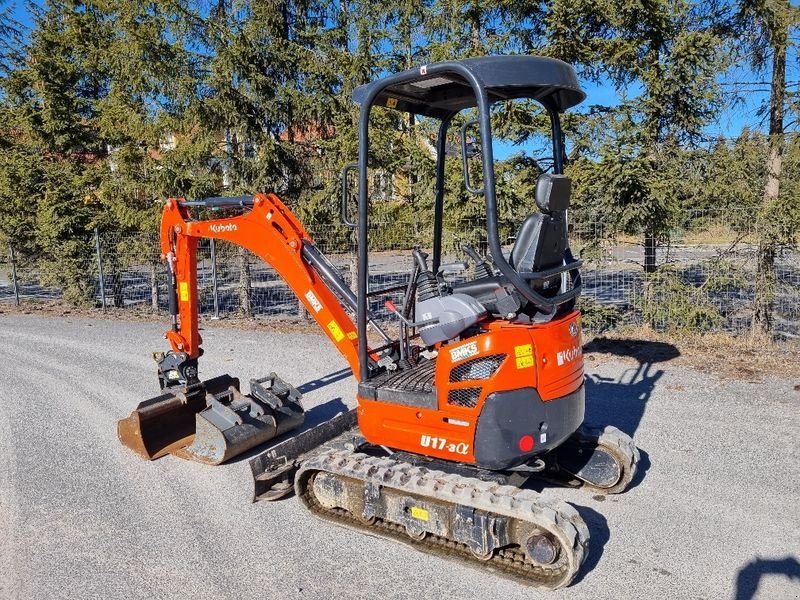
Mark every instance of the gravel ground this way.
pixel 715 514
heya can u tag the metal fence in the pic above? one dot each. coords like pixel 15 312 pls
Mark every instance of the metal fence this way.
pixel 705 280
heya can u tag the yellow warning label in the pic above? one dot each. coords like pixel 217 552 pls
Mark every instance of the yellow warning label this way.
pixel 336 331
pixel 523 362
pixel 351 335
pixel 523 350
pixel 391 102
pixel 184 291
pixel 419 513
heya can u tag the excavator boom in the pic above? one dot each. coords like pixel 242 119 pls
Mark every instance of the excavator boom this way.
pixel 213 421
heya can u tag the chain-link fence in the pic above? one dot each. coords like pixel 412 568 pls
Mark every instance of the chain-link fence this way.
pixel 705 278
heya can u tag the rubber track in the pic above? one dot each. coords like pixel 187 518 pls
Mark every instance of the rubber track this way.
pixel 560 519
pixel 620 445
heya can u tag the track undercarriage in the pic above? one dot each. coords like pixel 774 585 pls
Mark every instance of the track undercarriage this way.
pixel 447 509
pixel 513 532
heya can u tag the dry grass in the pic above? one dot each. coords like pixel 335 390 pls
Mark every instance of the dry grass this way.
pixel 727 356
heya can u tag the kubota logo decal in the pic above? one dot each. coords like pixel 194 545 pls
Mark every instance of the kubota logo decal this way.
pixel 568 355
pixel 222 228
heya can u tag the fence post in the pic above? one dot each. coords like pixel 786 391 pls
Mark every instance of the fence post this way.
pixel 302 313
pixel 214 277
pixel 100 268
pixel 14 274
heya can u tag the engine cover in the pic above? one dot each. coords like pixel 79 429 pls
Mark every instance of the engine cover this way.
pixel 455 313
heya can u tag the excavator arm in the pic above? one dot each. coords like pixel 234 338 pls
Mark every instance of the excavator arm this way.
pixel 211 421
pixel 271 232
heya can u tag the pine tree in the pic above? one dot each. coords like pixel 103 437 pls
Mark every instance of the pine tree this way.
pixel 663 57
pixel 765 27
pixel 51 101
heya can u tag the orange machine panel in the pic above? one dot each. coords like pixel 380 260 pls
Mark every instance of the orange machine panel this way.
pixel 506 356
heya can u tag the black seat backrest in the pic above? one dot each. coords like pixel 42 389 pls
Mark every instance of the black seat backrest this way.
pixel 542 239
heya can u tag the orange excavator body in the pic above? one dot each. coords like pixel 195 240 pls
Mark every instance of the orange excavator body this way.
pixel 481 388
pixel 527 356
pixel 447 431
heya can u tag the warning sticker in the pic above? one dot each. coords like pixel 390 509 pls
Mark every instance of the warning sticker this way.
pixel 183 287
pixel 419 513
pixel 523 362
pixel 391 103
pixel 352 335
pixel 523 350
pixel 336 331
pixel 313 301
pixel 524 355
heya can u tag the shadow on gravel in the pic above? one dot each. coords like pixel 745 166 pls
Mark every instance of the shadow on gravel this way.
pixel 642 467
pixel 598 538
pixel 749 576
pixel 621 402
pixel 315 384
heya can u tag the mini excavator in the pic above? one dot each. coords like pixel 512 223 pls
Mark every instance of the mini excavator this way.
pixel 481 389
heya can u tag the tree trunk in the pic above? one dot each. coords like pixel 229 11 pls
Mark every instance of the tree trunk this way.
pixel 245 308
pixel 766 278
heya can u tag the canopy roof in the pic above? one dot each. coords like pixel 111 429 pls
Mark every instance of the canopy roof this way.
pixel 436 90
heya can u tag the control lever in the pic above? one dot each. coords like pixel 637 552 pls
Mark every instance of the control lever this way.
pixel 421 258
pixel 481 268
pixel 427 284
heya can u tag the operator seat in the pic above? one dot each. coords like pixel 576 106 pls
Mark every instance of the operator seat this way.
pixel 542 238
pixel 541 244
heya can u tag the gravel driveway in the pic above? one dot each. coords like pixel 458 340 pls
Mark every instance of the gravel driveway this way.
pixel 716 514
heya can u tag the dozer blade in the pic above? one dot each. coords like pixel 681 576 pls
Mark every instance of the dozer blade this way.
pixel 274 469
pixel 604 459
pixel 212 422
pixel 166 423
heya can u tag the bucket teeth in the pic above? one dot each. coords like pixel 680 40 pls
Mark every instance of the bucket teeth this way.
pixel 212 422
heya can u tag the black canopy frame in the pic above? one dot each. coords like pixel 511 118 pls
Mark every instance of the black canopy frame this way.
pixel 441 90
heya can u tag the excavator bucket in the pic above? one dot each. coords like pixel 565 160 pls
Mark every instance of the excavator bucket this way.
pixel 213 421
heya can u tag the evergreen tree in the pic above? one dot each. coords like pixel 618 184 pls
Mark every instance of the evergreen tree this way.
pixel 663 57
pixel 765 27
pixel 51 102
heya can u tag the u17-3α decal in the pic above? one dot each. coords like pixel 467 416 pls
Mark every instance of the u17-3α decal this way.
pixel 440 443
